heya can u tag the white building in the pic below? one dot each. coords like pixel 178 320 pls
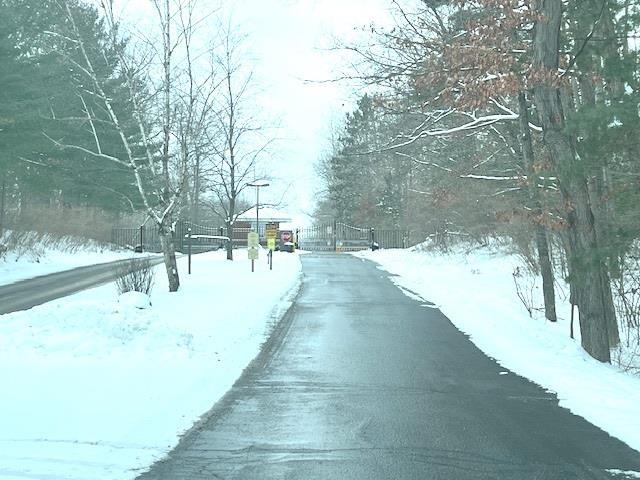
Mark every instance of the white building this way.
pixel 265 215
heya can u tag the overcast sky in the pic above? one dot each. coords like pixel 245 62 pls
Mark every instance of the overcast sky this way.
pixel 287 43
pixel 290 40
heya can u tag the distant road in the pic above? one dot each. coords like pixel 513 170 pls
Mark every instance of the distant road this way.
pixel 35 291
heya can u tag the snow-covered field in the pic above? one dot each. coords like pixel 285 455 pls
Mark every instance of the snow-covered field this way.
pixel 46 254
pixel 477 293
pixel 95 389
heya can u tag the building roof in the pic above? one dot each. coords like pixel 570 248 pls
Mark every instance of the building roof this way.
pixel 266 214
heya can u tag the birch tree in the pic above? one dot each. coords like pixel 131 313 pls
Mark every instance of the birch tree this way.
pixel 153 155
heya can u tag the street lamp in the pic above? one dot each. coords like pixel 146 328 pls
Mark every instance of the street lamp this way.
pixel 258 184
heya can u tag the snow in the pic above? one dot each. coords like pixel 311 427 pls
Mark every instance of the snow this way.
pixel 96 388
pixel 624 473
pixel 615 123
pixel 477 293
pixel 135 300
pixel 46 255
pixel 266 214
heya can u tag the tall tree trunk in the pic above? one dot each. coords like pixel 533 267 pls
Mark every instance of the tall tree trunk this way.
pixel 546 271
pixel 230 242
pixel 195 205
pixel 169 254
pixel 592 93
pixel 542 243
pixel 23 208
pixel 598 174
pixel 588 271
pixel 166 235
pixel 230 224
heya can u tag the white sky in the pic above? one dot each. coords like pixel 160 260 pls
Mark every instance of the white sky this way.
pixel 287 42
pixel 290 41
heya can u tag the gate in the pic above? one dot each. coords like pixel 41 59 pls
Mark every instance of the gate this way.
pixel 340 237
pixel 329 237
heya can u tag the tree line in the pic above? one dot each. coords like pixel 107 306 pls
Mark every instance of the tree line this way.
pixel 504 118
pixel 97 112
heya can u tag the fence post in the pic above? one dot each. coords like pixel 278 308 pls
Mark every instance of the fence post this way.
pixel 335 236
pixel 141 238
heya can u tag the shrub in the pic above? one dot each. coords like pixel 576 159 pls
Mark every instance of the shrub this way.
pixel 136 274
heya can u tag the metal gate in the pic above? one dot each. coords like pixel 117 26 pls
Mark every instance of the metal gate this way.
pixel 340 237
pixel 328 237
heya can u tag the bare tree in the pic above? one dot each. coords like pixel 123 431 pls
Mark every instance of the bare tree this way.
pixel 465 78
pixel 480 63
pixel 156 149
pixel 238 137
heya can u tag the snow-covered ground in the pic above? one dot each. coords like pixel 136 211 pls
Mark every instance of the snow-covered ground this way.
pixel 95 389
pixel 46 254
pixel 476 291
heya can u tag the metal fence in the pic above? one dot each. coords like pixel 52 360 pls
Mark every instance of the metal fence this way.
pixel 340 237
pixel 146 238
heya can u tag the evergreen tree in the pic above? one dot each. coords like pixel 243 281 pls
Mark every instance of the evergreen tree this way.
pixel 39 102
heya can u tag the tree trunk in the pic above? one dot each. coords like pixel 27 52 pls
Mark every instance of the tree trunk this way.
pixel 195 206
pixel 546 270
pixel 23 206
pixel 230 217
pixel 169 254
pixel 542 244
pixel 609 252
pixel 593 290
pixel 230 242
pixel 591 93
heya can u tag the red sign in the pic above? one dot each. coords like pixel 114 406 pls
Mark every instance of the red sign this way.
pixel 285 236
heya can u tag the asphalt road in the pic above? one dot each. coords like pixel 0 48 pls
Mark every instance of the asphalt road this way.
pixel 35 291
pixel 361 382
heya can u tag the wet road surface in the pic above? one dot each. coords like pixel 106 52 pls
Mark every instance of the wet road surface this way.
pixel 28 293
pixel 361 382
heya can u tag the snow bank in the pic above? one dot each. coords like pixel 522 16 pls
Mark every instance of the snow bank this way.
pixel 477 293
pixel 41 254
pixel 92 388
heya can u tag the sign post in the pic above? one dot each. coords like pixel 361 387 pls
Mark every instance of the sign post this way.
pixel 253 248
pixel 271 232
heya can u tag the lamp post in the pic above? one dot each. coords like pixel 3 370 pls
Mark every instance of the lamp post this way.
pixel 258 184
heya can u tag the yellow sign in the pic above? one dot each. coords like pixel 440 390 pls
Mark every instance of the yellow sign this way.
pixel 253 253
pixel 271 233
pixel 271 230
